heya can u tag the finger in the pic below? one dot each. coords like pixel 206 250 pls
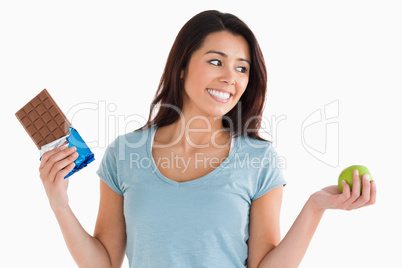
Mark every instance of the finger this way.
pixel 54 158
pixel 45 166
pixel 62 164
pixel 355 194
pixel 345 196
pixel 366 192
pixel 62 173
pixel 48 154
pixel 356 187
pixel 373 194
pixel 346 190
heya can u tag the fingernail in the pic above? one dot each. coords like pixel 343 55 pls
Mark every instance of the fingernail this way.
pixel 63 147
pixel 356 172
pixel 367 177
pixel 73 148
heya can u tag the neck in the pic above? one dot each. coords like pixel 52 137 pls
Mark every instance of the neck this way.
pixel 193 133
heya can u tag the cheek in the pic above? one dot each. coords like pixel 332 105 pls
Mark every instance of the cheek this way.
pixel 197 77
pixel 242 84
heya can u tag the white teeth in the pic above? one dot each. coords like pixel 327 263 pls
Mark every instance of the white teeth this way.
pixel 218 94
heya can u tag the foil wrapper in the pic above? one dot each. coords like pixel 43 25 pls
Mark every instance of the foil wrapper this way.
pixel 52 145
pixel 85 155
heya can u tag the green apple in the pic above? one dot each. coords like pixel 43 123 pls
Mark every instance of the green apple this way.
pixel 347 175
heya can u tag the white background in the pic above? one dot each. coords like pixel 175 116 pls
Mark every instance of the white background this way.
pixel 110 55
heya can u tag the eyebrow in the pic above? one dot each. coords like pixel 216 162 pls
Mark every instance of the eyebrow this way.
pixel 224 55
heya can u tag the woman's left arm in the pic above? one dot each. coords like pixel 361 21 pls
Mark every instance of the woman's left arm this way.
pixel 290 251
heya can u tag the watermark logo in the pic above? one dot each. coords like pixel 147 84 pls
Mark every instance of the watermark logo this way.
pixel 202 161
pixel 320 134
pixel 319 131
pixel 109 123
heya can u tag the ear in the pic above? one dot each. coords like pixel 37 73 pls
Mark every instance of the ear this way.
pixel 182 74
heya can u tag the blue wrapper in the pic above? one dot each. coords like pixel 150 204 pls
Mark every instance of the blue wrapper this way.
pixel 85 156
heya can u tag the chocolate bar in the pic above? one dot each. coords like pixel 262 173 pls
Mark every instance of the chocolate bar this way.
pixel 43 120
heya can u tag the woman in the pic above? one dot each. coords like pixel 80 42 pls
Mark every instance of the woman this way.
pixel 196 186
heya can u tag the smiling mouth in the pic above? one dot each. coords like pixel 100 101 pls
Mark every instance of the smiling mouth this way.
pixel 218 95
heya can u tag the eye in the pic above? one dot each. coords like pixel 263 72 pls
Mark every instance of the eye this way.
pixel 216 62
pixel 242 69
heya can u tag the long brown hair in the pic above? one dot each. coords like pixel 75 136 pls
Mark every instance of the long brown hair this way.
pixel 248 111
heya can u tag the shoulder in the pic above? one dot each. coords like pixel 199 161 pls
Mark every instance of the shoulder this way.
pixel 263 156
pixel 125 144
pixel 255 146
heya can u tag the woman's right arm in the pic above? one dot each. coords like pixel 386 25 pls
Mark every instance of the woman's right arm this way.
pixel 106 248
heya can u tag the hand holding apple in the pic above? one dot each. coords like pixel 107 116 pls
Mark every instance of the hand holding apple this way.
pixel 357 191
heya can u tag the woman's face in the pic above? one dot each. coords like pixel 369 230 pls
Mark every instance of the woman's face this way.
pixel 217 75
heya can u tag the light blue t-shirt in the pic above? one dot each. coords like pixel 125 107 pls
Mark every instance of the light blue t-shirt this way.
pixel 198 223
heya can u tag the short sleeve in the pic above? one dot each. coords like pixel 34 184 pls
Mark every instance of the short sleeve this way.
pixel 270 174
pixel 108 168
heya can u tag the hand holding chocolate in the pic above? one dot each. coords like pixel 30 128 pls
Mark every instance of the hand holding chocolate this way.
pixel 49 128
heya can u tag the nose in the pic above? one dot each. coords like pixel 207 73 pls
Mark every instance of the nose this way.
pixel 227 77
